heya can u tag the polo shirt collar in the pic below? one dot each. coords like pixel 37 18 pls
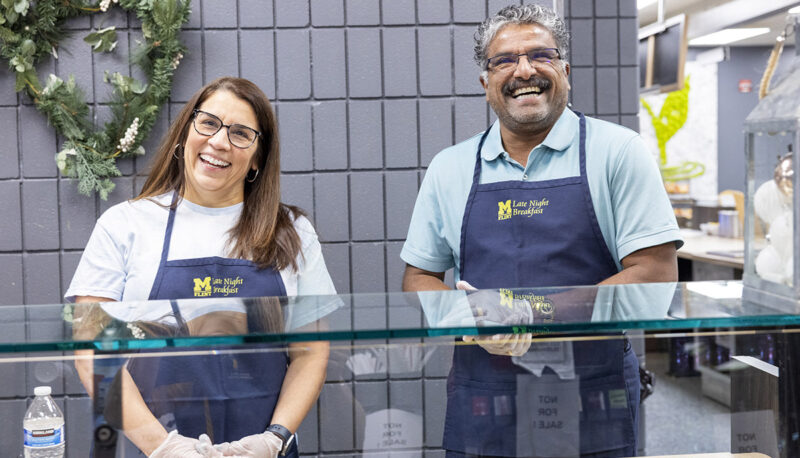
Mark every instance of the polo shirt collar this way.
pixel 560 137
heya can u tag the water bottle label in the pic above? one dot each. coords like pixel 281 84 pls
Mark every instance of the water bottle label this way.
pixel 48 437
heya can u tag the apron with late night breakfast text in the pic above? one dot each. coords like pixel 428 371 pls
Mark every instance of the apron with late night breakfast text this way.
pixel 518 234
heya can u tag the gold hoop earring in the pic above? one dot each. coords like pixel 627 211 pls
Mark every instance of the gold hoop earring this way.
pixel 249 180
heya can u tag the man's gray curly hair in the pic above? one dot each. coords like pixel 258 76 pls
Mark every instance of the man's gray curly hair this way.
pixel 525 14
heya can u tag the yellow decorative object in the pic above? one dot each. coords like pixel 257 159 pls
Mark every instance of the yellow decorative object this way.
pixel 670 119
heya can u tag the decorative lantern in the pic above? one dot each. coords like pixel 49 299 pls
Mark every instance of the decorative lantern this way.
pixel 772 209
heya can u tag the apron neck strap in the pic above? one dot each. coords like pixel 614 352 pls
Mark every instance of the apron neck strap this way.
pixel 170 222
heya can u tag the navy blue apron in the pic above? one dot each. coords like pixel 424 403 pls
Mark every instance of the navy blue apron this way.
pixel 518 234
pixel 227 396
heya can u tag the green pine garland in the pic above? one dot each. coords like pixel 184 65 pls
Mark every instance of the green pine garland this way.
pixel 31 31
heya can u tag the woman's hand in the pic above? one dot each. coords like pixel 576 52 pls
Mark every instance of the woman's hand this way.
pixel 264 445
pixel 177 446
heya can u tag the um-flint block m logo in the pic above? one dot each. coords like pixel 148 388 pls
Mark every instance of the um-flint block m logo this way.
pixel 504 210
pixel 202 288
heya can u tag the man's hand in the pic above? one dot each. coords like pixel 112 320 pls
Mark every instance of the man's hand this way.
pixel 487 307
pixel 264 445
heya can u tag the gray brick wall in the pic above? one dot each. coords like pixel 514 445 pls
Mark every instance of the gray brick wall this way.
pixel 366 93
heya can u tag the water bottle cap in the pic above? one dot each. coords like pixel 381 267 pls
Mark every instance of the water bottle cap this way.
pixel 42 391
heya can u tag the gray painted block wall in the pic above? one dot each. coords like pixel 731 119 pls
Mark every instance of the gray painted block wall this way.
pixel 366 93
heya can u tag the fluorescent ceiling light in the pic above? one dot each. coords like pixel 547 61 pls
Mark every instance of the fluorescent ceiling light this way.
pixel 724 37
pixel 644 3
pixel 795 10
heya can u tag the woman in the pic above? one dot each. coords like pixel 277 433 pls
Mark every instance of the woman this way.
pixel 209 223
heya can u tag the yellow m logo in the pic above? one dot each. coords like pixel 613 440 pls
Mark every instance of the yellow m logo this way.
pixel 202 287
pixel 504 210
pixel 506 298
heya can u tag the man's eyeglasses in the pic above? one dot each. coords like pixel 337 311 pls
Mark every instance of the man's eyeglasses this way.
pixel 508 61
pixel 240 136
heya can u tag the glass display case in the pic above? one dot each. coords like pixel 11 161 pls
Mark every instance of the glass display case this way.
pixel 772 209
pixel 627 370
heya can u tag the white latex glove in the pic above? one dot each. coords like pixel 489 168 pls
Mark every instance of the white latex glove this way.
pixel 501 344
pixel 264 445
pixel 177 446
pixel 205 448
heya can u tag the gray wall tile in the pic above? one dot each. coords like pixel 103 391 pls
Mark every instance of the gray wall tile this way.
pixel 398 12
pixel 469 11
pixel 605 9
pixel 466 71
pixel 583 89
pixel 366 134
pixel 12 377
pixel 627 8
pixel 582 43
pixel 436 77
pixel 258 59
pixel 255 14
pixel 9 150
pixel 69 263
pixel 400 61
pixel 607 90
pixel 332 213
pixel 7 80
pixel 330 135
pixel 363 12
pixel 328 56
pixel 298 190
pixel 75 58
pixel 401 133
pixel 10 224
pixel 220 54
pixel 11 438
pixel 80 432
pixel 294 121
pixel 76 224
pixel 368 267
pixel 628 41
pixel 195 18
pixel 188 76
pixel 433 11
pixel 123 190
pixel 308 432
pixel 337 260
pixel 364 62
pixel 606 34
pixel 436 127
pixel 367 202
pixel 629 96
pixel 219 14
pixel 581 8
pixel 327 13
pixel 38 144
pixel 11 279
pixel 630 121
pixel 293 58
pixel 40 215
pixel 470 117
pixel 370 397
pixel 399 186
pixel 394 267
pixel 291 13
pixel 41 278
pixel 336 417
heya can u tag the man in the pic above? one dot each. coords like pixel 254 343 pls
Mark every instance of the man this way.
pixel 544 197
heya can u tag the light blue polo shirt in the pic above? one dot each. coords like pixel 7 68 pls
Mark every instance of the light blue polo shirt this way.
pixel 630 201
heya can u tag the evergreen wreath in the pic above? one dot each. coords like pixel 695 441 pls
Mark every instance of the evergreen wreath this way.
pixel 30 30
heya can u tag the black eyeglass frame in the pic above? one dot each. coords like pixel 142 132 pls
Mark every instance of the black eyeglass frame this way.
pixel 221 125
pixel 530 54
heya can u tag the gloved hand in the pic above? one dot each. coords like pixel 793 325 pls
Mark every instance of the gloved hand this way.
pixel 175 446
pixel 264 445
pixel 488 307
pixel 205 448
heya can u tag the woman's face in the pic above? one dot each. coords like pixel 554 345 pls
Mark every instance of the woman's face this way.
pixel 215 169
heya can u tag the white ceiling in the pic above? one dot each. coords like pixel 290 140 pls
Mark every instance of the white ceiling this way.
pixel 713 15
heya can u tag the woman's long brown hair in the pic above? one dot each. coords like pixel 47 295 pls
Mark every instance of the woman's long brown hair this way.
pixel 265 232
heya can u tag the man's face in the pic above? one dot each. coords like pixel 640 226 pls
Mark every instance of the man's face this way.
pixel 519 108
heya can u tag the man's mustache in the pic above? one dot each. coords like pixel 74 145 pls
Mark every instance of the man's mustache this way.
pixel 538 81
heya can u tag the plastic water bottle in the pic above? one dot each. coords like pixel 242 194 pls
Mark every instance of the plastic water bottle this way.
pixel 44 427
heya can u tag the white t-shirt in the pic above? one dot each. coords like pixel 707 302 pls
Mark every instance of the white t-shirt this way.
pixel 121 260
